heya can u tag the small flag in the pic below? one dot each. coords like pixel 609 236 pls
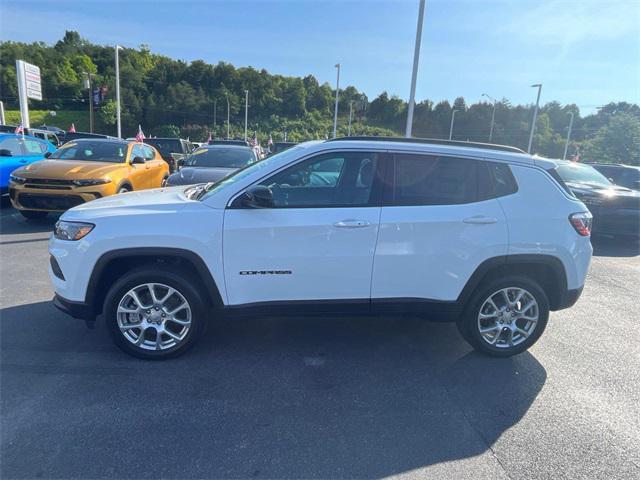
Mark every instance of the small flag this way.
pixel 140 135
pixel 270 141
pixel 255 142
pixel 209 139
pixel 19 129
pixel 72 128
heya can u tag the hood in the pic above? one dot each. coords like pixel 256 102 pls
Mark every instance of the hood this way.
pixel 159 200
pixel 68 169
pixel 614 195
pixel 192 175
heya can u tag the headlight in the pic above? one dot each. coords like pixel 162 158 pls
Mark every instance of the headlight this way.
pixel 91 181
pixel 17 179
pixel 72 230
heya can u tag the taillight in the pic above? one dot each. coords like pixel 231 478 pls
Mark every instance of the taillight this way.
pixel 581 222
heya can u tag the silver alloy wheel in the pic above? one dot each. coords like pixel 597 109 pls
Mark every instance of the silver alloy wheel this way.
pixel 154 316
pixel 508 317
pixel 123 190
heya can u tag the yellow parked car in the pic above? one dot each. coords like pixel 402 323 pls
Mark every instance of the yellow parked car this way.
pixel 83 170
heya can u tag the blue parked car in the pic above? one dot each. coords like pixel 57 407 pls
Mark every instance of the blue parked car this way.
pixel 17 151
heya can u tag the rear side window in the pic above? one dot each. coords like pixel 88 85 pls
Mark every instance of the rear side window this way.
pixel 432 180
pixel 556 176
pixel 495 180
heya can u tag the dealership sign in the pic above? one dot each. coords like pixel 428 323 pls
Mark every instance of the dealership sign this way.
pixel 31 79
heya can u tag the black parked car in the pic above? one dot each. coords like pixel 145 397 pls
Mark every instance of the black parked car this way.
pixel 242 143
pixel 623 175
pixel 615 209
pixel 211 163
pixel 172 149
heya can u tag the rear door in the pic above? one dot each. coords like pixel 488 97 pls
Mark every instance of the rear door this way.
pixel 157 165
pixel 439 222
pixel 316 242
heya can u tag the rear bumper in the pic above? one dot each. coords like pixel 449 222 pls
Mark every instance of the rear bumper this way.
pixel 617 222
pixel 79 310
pixel 568 299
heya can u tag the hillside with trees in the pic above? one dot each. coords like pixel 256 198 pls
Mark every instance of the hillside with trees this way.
pixel 174 97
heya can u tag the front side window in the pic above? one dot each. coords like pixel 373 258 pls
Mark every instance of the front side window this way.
pixel 13 145
pixel 137 151
pixel 148 152
pixel 495 180
pixel 112 152
pixel 328 180
pixel 433 180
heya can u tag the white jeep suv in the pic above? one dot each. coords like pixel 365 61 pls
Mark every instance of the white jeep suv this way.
pixel 483 235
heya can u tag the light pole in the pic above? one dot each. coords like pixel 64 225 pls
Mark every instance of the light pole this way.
pixel 228 117
pixel 453 117
pixel 350 116
pixel 535 115
pixel 493 115
pixel 215 108
pixel 246 112
pixel 566 145
pixel 118 110
pixel 335 111
pixel 414 75
pixel 89 86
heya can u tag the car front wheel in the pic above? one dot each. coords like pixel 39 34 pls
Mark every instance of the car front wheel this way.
pixel 154 313
pixel 505 317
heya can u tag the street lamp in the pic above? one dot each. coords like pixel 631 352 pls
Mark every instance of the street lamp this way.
pixel 246 112
pixel 228 117
pixel 215 114
pixel 493 115
pixel 88 85
pixel 350 115
pixel 453 116
pixel 335 111
pixel 414 74
pixel 566 145
pixel 118 110
pixel 535 115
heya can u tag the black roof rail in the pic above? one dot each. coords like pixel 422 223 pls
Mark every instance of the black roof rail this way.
pixel 434 141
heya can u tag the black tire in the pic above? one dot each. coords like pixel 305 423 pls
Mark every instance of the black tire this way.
pixel 124 189
pixel 33 214
pixel 182 282
pixel 163 183
pixel 468 322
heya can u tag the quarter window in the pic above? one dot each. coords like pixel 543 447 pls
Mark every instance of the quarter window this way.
pixel 433 180
pixel 34 147
pixel 328 180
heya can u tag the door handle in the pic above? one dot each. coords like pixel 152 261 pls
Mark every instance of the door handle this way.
pixel 480 220
pixel 352 224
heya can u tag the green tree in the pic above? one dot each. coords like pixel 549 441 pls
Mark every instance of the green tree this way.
pixel 618 142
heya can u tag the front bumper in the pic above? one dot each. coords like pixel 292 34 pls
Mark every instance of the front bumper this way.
pixel 79 310
pixel 615 221
pixel 568 299
pixel 59 199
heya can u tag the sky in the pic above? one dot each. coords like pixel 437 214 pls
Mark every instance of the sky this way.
pixel 585 52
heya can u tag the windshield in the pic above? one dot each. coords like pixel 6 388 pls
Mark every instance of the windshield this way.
pixel 247 171
pixel 112 152
pixel 220 157
pixel 577 173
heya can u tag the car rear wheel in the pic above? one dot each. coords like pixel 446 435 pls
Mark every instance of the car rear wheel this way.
pixel 33 214
pixel 505 317
pixel 124 189
pixel 155 313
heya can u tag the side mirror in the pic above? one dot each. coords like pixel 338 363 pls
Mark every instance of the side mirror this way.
pixel 258 196
pixel 137 161
pixel 47 154
pixel 4 152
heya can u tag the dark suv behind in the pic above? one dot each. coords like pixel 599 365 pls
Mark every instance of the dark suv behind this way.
pixel 171 149
pixel 623 175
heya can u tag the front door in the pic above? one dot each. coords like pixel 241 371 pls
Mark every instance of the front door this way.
pixel 317 241
pixel 139 174
pixel 12 158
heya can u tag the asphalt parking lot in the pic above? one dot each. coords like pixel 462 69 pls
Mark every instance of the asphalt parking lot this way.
pixel 321 397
